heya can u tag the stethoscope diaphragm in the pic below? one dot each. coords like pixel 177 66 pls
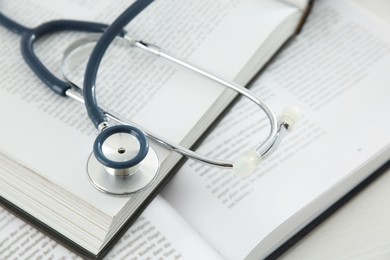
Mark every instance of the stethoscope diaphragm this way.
pixel 122 162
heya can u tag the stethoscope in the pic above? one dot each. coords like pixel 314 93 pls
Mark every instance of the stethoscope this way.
pixel 122 161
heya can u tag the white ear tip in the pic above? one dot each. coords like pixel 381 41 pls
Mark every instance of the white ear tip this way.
pixel 246 164
pixel 290 116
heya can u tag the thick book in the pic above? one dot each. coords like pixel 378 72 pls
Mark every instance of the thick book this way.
pixel 46 139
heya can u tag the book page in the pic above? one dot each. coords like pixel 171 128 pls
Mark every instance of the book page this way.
pixel 41 122
pixel 159 233
pixel 299 3
pixel 336 72
pixel 190 33
pixel 49 138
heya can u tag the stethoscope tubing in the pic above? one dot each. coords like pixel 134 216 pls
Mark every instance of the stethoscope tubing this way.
pixel 31 35
pixel 89 86
pixel 12 25
pixel 27 48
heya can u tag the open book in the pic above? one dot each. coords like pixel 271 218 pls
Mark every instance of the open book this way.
pixel 46 140
pixel 336 71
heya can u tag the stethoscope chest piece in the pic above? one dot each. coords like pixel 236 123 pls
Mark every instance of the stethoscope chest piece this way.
pixel 122 162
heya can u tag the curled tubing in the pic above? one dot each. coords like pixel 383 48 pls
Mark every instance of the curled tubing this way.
pixel 96 114
pixel 27 47
pixel 31 35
